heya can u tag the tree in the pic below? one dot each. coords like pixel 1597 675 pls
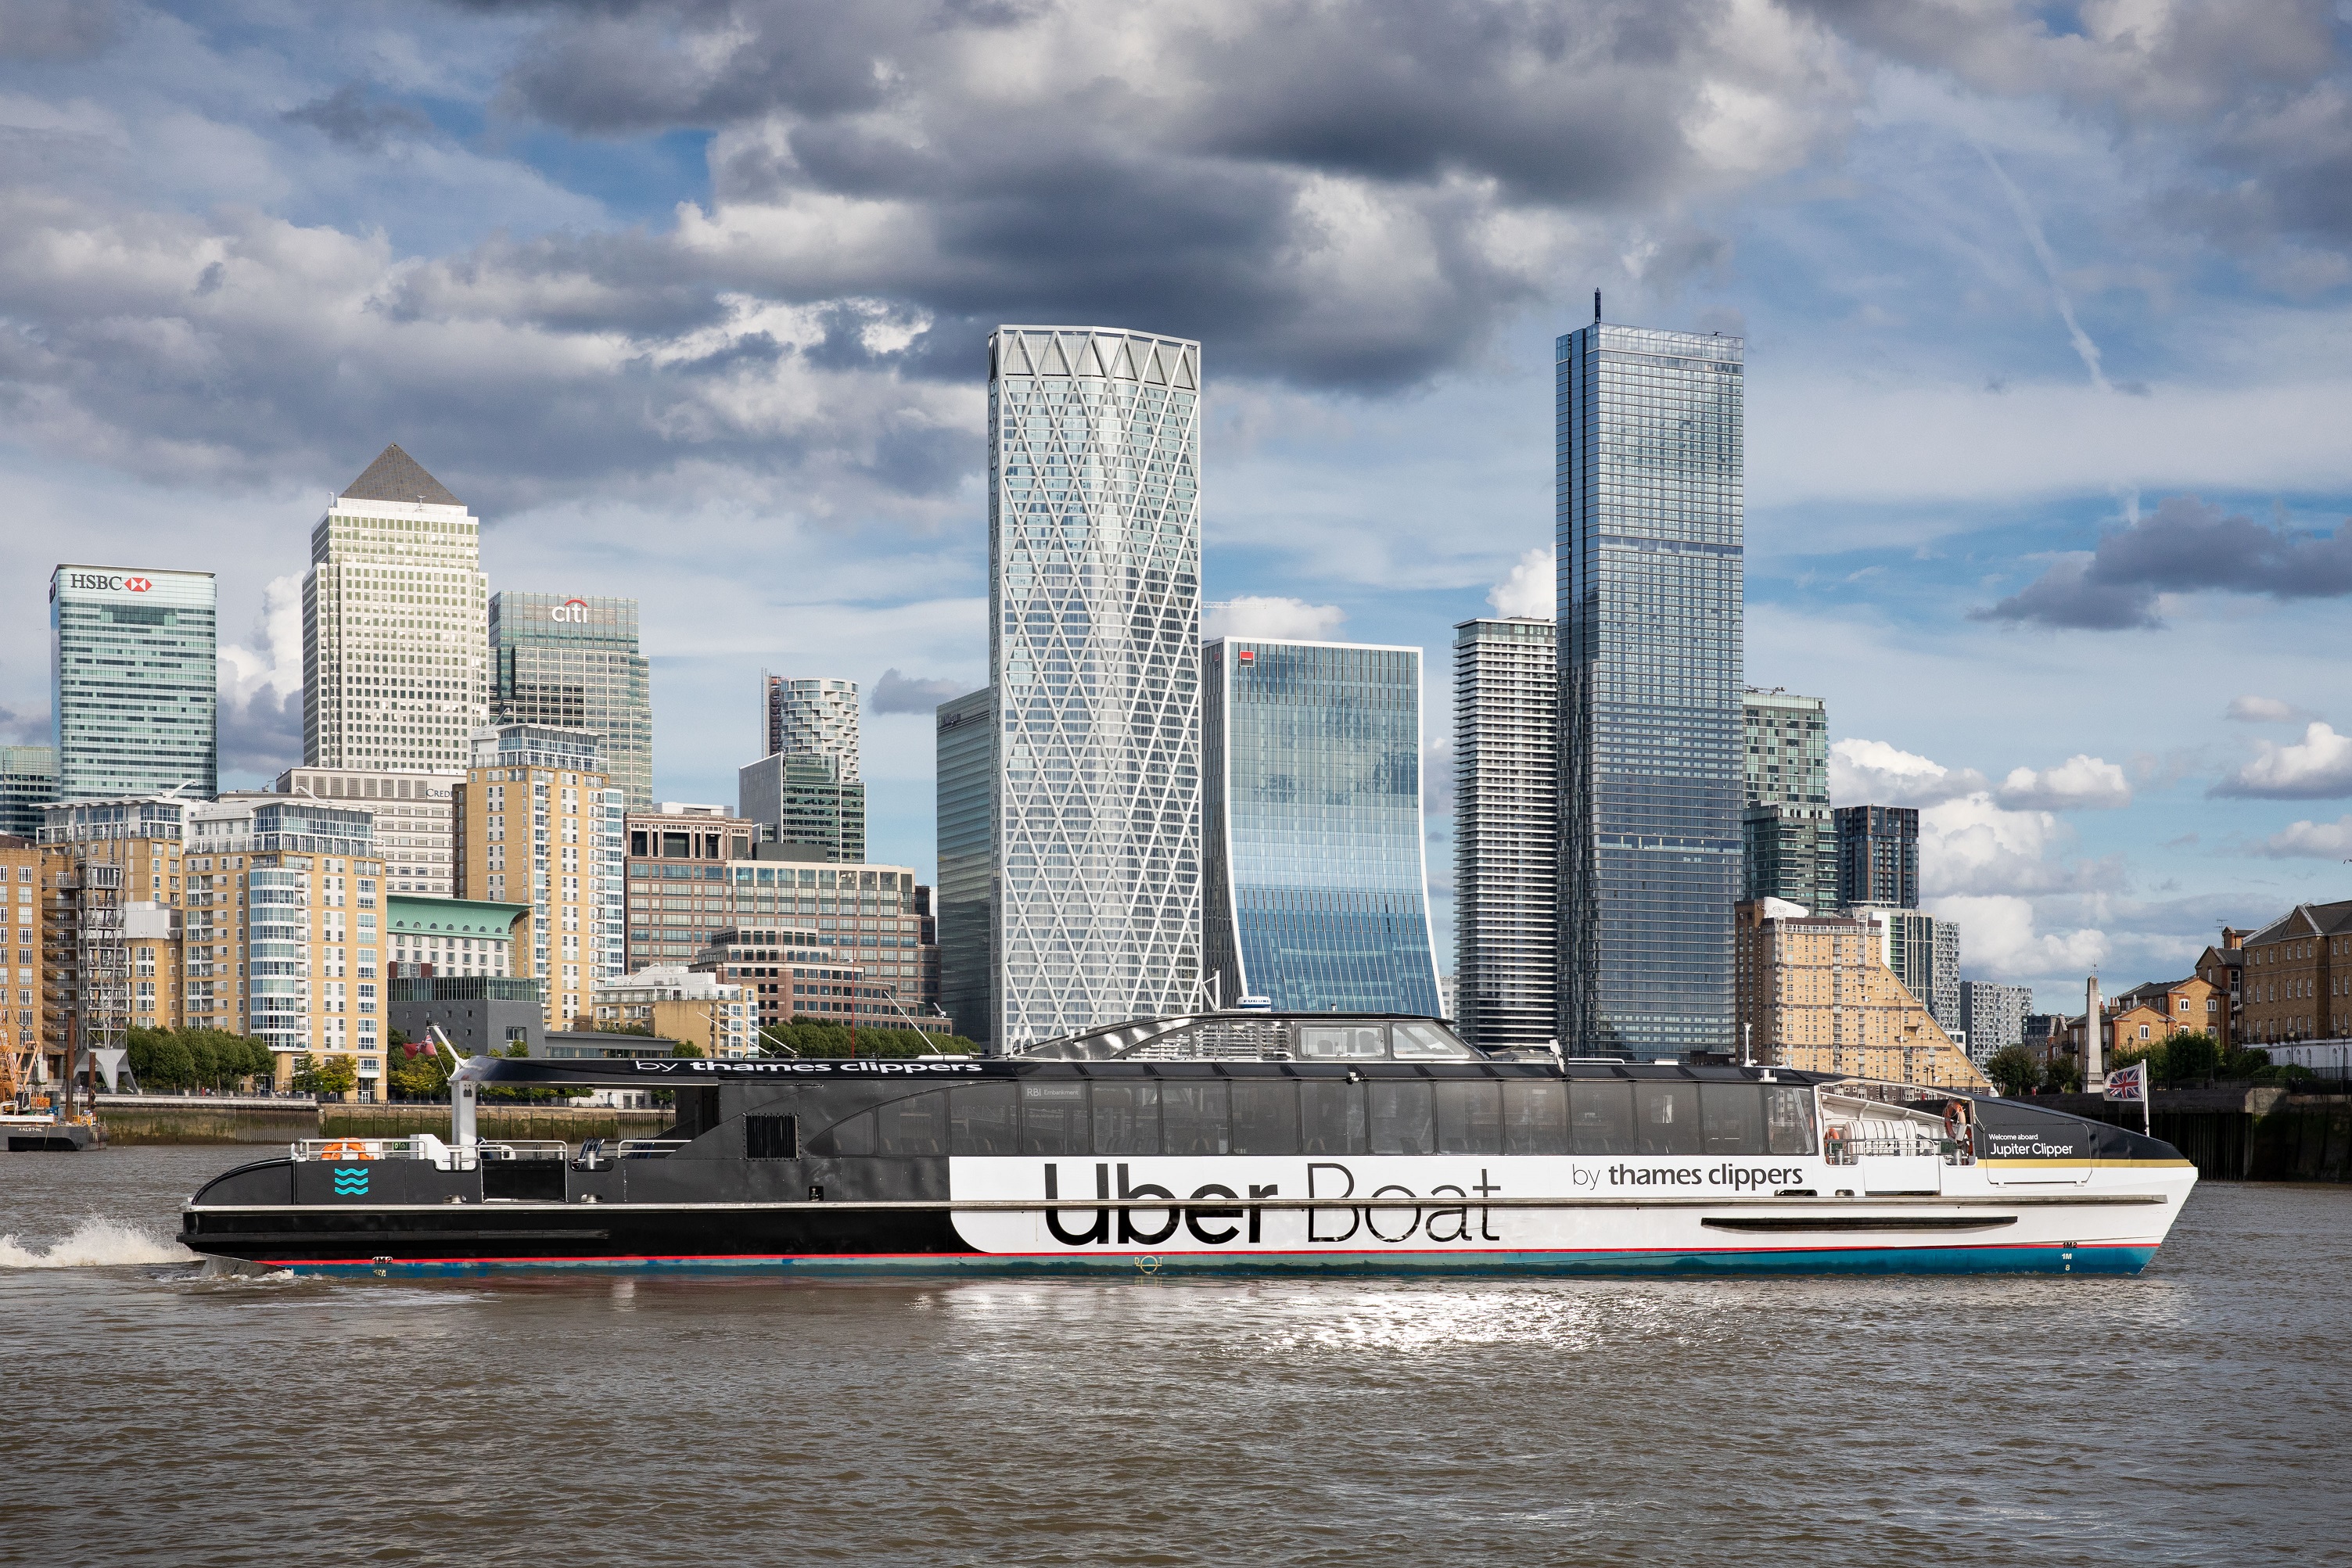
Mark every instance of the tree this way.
pixel 2062 1075
pixel 416 1069
pixel 204 1057
pixel 2013 1069
pixel 2191 1056
pixel 334 1075
pixel 2243 1062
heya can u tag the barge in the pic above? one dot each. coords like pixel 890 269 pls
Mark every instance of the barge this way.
pixel 1231 1142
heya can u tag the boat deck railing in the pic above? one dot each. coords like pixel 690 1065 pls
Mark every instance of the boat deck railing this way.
pixel 425 1146
pixel 1851 1147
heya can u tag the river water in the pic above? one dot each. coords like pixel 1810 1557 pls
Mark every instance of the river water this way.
pixel 2193 1415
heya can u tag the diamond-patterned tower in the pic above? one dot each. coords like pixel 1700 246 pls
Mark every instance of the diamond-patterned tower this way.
pixel 1093 521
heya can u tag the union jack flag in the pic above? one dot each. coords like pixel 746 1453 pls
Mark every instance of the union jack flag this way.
pixel 2130 1084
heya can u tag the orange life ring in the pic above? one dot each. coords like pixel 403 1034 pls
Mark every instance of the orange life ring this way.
pixel 346 1149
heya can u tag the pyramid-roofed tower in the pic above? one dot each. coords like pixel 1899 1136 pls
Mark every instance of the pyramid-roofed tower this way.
pixel 396 642
pixel 395 476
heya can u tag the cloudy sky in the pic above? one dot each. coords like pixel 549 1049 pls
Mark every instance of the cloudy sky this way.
pixel 2046 310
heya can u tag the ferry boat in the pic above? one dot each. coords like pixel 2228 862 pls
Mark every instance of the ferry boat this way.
pixel 1239 1142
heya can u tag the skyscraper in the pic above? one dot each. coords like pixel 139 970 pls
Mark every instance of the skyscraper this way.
pixel 1994 1016
pixel 817 715
pixel 573 662
pixel 801 801
pixel 1312 834
pixel 966 733
pixel 135 680
pixel 1094 517
pixel 396 624
pixel 1505 832
pixel 1877 855
pixel 1788 847
pixel 1649 536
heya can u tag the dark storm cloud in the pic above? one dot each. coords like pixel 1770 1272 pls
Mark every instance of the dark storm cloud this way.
pixel 1235 177
pixel 2184 547
pixel 894 693
pixel 260 734
pixel 352 116
pixel 1348 197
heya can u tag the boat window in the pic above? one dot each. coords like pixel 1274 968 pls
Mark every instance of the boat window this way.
pixel 771 1137
pixel 1331 1117
pixel 1265 1117
pixel 913 1127
pixel 982 1121
pixel 1127 1118
pixel 1788 1125
pixel 1733 1115
pixel 1600 1118
pixel 1193 1119
pixel 1469 1117
pixel 1665 1119
pixel 1054 1118
pixel 852 1135
pixel 1424 1042
pixel 1402 1120
pixel 1535 1118
pixel 1323 1042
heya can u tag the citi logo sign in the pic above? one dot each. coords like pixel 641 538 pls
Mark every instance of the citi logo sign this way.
pixel 572 609
pixel 106 582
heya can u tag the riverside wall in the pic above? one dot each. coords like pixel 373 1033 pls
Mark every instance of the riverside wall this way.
pixel 2261 1132
pixel 203 1119
pixel 172 1119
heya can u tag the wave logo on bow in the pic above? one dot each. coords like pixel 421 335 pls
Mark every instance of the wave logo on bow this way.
pixel 352 1181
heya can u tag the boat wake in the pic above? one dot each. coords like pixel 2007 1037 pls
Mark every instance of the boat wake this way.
pixel 95 1243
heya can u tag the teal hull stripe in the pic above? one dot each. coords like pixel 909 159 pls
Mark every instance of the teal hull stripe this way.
pixel 2046 1260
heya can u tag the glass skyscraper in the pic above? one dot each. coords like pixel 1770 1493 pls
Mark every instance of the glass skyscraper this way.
pixel 799 799
pixel 1788 847
pixel 966 759
pixel 1317 885
pixel 573 663
pixel 135 671
pixel 1094 517
pixel 1506 832
pixel 1647 502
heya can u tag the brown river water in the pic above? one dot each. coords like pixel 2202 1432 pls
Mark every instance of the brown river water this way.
pixel 2197 1414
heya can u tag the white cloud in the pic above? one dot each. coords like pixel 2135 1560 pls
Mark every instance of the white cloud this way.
pixel 1874 773
pixel 1529 590
pixel 2317 768
pixel 2263 710
pixel 261 688
pixel 2000 935
pixel 2310 840
pixel 2080 781
pixel 1254 615
pixel 1972 845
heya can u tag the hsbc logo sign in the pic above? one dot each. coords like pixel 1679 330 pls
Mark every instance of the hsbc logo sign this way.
pixel 108 582
pixel 571 609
